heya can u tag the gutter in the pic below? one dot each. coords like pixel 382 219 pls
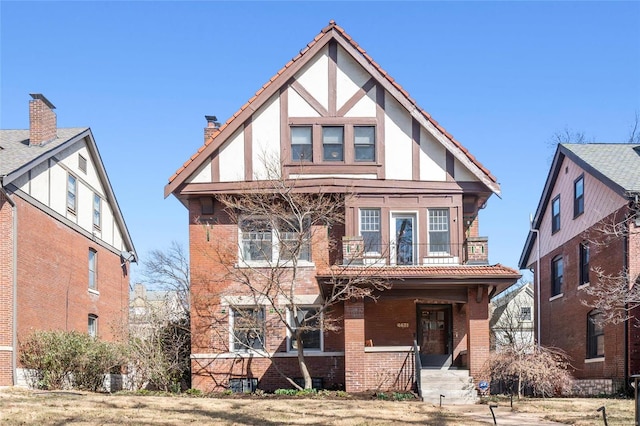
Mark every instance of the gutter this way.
pixel 14 325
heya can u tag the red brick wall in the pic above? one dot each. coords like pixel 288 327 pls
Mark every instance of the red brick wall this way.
pixel 389 370
pixel 6 291
pixel 478 326
pixel 564 320
pixel 53 278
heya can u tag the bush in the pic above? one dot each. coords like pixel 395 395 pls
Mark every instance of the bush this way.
pixel 67 359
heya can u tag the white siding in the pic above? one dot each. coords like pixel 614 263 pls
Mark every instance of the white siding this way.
pixel 433 158
pixel 599 202
pixel 39 187
pixel 298 107
pixel 58 183
pixel 398 142
pixel 265 130
pixel 232 158
pixel 350 77
pixel 314 77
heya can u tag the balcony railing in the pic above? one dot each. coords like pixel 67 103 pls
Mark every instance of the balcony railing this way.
pixel 474 251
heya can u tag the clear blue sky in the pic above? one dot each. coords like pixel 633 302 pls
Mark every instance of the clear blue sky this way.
pixel 502 77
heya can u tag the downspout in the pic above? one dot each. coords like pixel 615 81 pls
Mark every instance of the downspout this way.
pixel 14 325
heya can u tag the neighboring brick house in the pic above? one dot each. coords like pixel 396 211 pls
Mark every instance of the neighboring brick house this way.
pixel 336 122
pixel 512 319
pixel 589 186
pixel 65 249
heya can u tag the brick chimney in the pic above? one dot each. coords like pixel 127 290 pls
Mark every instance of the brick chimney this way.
pixel 42 120
pixel 213 127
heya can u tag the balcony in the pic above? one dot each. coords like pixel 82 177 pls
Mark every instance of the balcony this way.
pixel 474 251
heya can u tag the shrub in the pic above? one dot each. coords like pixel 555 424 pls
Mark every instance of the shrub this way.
pixel 67 359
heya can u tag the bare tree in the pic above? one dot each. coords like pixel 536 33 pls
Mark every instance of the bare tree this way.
pixel 281 224
pixel 615 294
pixel 159 324
pixel 512 319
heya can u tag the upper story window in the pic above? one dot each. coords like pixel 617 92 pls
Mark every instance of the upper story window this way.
pixel 439 242
pixel 333 143
pixel 578 196
pixel 93 272
pixel 72 188
pixel 555 214
pixel 584 263
pixel 261 242
pixel 595 335
pixel 370 230
pixel 248 326
pixel 301 143
pixel 97 211
pixel 308 320
pixel 525 313
pixel 557 276
pixel 364 140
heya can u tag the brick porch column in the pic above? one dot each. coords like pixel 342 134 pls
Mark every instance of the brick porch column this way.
pixel 354 346
pixel 478 329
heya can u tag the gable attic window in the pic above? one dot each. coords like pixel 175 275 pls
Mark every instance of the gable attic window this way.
pixel 555 215
pixel 97 211
pixel 82 163
pixel 578 196
pixel 333 143
pixel 301 146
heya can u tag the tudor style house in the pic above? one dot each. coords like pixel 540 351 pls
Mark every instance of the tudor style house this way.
pixel 591 190
pixel 337 123
pixel 65 249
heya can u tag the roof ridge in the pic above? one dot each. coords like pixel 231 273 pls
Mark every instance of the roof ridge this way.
pixel 334 26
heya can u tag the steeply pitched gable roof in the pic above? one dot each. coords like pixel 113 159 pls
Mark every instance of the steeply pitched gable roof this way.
pixel 330 32
pixel 17 157
pixel 617 165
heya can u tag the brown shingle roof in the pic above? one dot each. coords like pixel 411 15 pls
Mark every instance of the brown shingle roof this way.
pixel 333 26
pixel 435 271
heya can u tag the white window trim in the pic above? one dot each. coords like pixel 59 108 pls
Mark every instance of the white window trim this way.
pixel 371 253
pixel 557 296
pixel 590 360
pixel 438 253
pixel 289 335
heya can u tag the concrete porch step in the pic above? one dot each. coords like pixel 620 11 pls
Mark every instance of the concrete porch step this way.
pixel 456 386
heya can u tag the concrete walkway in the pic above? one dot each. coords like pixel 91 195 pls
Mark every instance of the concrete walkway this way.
pixel 503 413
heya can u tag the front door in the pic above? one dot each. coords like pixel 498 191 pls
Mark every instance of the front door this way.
pixel 434 335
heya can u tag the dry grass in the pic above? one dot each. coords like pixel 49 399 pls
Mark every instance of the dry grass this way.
pixel 23 407
pixel 580 411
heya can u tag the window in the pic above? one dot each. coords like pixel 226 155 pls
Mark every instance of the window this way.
pixel 301 146
pixel 92 328
pixel 557 271
pixel 308 318
pixel 332 143
pixel 93 282
pixel 438 232
pixel 578 196
pixel 525 313
pixel 256 240
pixel 364 140
pixel 71 193
pixel 294 242
pixel 260 242
pixel 370 230
pixel 555 214
pixel 97 204
pixel 584 264
pixel 595 335
pixel 82 163
pixel 248 328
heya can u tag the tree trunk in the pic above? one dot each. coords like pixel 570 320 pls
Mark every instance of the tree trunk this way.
pixel 302 362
